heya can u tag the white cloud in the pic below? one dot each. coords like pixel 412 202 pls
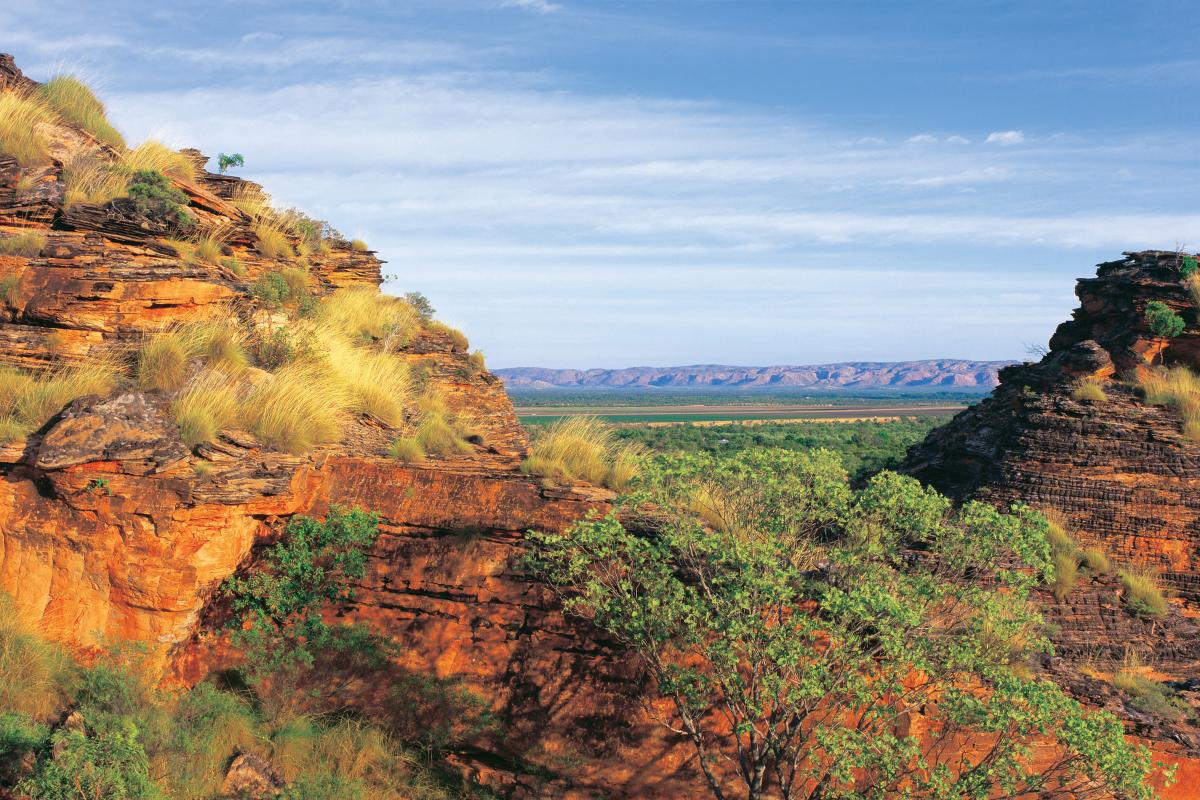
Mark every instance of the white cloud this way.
pixel 921 138
pixel 540 6
pixel 1005 137
pixel 956 139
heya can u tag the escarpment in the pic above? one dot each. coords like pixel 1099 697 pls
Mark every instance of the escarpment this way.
pixel 141 462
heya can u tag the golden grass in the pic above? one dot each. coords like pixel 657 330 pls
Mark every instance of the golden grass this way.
pixel 273 241
pixel 408 450
pixel 77 105
pixel 10 290
pixel 1177 388
pixel 155 156
pixel 361 312
pixel 206 405
pixel 28 244
pixel 296 409
pixel 359 245
pixel 477 361
pixel 92 179
pixel 28 401
pixel 374 383
pixel 205 247
pixel 1096 561
pixel 1142 593
pixel 1066 574
pixel 581 448
pixel 164 360
pixel 1089 390
pixel 1057 531
pixel 20 136
pixel 1193 286
pixel 33 671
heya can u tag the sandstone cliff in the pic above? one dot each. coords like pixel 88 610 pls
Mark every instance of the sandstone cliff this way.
pixel 112 529
pixel 1123 471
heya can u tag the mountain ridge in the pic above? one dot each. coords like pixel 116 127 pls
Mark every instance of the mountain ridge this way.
pixel 946 372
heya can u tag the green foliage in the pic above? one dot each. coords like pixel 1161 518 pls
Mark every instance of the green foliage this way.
pixel 20 734
pixel 226 162
pixel 785 635
pixel 153 194
pixel 1162 321
pixel 109 763
pixel 865 447
pixel 277 606
pixel 280 288
pixel 421 305
pixel 1187 267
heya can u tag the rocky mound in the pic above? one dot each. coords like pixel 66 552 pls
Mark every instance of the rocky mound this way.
pixel 1076 434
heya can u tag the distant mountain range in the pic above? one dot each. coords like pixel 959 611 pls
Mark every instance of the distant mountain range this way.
pixel 939 373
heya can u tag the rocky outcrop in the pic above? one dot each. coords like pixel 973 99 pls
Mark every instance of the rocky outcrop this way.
pixel 947 374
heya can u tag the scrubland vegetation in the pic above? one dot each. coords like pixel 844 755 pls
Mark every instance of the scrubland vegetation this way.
pixel 1177 388
pixel 1089 390
pixel 127 738
pixel 22 244
pixel 782 615
pixel 28 400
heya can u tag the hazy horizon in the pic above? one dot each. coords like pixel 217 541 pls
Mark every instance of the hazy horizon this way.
pixel 577 182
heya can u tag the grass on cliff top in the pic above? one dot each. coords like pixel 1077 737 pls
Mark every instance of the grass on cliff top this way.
pixel 155 156
pixel 21 116
pixel 28 400
pixel 77 105
pixel 581 448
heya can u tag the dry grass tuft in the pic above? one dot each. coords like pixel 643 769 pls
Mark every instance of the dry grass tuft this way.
pixel 273 241
pixel 1096 561
pixel 205 247
pixel 28 401
pixel 361 312
pixel 375 383
pixel 207 405
pixel 359 245
pixel 298 408
pixel 1089 390
pixel 407 450
pixel 77 105
pixel 1066 574
pixel 10 290
pixel 1177 388
pixel 92 179
pixel 1142 593
pixel 581 448
pixel 157 157
pixel 26 244
pixel 20 136
pixel 33 671
pixel 164 361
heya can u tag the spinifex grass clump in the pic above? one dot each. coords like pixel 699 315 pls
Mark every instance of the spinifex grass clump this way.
pixel 1177 388
pixel 166 358
pixel 93 179
pixel 581 448
pixel 28 400
pixel 362 313
pixel 1142 593
pixel 208 404
pixel 157 157
pixel 22 244
pixel 21 137
pixel 77 105
pixel 1089 390
pixel 296 409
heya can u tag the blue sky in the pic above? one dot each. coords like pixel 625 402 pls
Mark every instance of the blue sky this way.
pixel 594 183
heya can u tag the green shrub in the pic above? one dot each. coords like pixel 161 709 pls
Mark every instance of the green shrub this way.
pixel 109 763
pixel 19 734
pixel 153 194
pixel 1162 321
pixel 420 303
pixel 226 162
pixel 1187 266
pixel 278 288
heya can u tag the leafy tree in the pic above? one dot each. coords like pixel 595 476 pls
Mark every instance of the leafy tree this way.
pixel 420 304
pixel 1162 321
pixel 795 628
pixel 226 162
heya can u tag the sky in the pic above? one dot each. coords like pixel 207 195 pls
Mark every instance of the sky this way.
pixel 600 183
